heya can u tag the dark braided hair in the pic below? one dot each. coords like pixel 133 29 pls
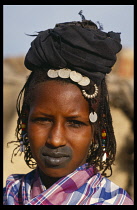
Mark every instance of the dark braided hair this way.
pixel 104 121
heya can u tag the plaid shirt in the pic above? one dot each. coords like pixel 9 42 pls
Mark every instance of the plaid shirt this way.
pixel 84 186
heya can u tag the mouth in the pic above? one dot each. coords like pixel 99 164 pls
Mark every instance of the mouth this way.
pixel 55 159
pixel 55 162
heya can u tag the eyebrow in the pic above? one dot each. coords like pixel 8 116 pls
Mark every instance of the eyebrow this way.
pixel 50 115
pixel 41 113
pixel 74 117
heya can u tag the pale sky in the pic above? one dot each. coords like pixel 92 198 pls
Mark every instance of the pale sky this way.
pixel 28 19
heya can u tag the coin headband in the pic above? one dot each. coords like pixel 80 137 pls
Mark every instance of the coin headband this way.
pixel 75 77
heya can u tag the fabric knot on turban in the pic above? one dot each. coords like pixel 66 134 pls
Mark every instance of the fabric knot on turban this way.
pixel 80 46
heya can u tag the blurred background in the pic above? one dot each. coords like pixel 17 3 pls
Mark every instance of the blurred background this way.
pixel 19 20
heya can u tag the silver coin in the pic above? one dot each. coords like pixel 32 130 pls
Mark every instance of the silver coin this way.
pixel 64 73
pixel 93 117
pixel 52 73
pixel 75 76
pixel 84 81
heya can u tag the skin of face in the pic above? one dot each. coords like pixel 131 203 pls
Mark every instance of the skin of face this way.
pixel 58 123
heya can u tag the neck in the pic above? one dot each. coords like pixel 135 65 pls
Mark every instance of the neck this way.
pixel 47 180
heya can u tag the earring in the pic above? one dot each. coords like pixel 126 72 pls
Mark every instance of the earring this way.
pixel 23 142
pixel 104 136
pixel 24 138
pixel 22 146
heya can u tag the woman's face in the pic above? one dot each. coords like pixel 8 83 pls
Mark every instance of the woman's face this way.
pixel 59 130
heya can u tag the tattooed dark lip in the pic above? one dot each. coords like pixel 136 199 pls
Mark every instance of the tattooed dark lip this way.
pixel 55 161
pixel 55 154
pixel 57 157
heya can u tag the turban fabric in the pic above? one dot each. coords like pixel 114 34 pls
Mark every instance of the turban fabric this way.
pixel 87 50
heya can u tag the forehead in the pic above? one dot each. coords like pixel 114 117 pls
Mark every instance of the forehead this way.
pixel 60 95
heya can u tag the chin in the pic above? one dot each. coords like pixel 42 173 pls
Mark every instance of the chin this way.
pixel 59 171
pixel 56 172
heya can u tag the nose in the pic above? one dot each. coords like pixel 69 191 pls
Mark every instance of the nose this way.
pixel 56 137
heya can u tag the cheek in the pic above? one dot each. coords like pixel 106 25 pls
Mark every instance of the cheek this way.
pixel 36 137
pixel 81 142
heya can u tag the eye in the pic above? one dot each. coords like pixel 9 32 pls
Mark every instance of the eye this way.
pixel 41 120
pixel 75 123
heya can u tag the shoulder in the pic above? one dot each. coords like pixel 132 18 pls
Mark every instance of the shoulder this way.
pixel 112 194
pixel 13 179
pixel 12 187
pixel 16 178
pixel 13 184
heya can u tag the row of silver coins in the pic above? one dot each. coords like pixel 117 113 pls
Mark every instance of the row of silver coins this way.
pixel 67 73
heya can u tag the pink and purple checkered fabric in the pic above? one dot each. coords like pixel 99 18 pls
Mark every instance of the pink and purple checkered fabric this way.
pixel 84 186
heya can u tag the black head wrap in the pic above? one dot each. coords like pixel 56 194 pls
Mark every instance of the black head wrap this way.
pixel 80 46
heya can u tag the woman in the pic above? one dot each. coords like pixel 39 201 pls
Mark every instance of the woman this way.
pixel 64 126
